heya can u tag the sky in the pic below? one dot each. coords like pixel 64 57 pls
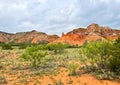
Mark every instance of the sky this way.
pixel 57 16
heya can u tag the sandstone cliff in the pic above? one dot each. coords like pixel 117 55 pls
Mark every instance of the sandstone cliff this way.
pixel 27 37
pixel 93 32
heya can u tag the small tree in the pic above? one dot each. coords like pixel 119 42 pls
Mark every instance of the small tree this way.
pixel 34 55
pixel 103 59
pixel 115 57
pixel 98 53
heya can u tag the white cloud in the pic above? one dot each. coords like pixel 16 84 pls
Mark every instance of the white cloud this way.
pixel 106 1
pixel 57 16
pixel 42 1
pixel 20 6
pixel 28 25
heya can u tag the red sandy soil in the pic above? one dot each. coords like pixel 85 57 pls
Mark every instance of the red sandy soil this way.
pixel 85 79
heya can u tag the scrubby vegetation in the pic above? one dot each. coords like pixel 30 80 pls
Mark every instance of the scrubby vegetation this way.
pixel 34 55
pixel 99 58
pixel 6 47
pixel 57 47
pixel 10 46
pixel 103 59
pixel 72 66
pixel 3 79
pixel 114 62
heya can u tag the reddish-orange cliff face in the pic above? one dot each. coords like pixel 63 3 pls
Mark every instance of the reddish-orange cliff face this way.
pixel 27 37
pixel 93 32
pixel 2 39
pixel 36 37
pixel 77 39
pixel 5 37
pixel 78 36
pixel 74 39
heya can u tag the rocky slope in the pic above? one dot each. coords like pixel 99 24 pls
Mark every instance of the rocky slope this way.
pixel 93 32
pixel 78 36
pixel 27 37
pixel 4 37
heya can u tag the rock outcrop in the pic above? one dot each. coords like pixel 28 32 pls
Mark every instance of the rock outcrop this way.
pixel 78 36
pixel 27 37
pixel 93 32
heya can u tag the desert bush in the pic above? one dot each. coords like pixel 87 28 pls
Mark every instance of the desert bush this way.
pixel 7 47
pixel 42 47
pixel 114 62
pixel 24 45
pixel 34 55
pixel 56 47
pixel 59 82
pixel 72 67
pixel 1 65
pixel 105 74
pixel 3 79
pixel 98 53
pixel 70 81
pixel 103 58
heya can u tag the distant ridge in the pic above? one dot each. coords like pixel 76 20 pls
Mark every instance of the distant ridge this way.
pixel 93 32
pixel 79 36
pixel 27 37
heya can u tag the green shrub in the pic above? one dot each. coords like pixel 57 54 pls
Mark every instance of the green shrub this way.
pixel 24 45
pixel 1 65
pixel 72 68
pixel 114 63
pixel 43 47
pixel 34 55
pixel 103 58
pixel 56 47
pixel 70 81
pixel 7 47
pixel 98 53
pixel 3 79
pixel 59 82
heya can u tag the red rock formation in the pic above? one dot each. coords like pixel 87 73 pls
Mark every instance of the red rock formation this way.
pixel 37 37
pixel 93 32
pixel 74 39
pixel 2 39
pixel 77 36
pixel 27 37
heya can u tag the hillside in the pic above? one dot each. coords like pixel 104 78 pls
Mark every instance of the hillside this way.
pixel 79 36
pixel 27 37
pixel 93 32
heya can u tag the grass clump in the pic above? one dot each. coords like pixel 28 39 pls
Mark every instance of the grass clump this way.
pixel 70 81
pixel 3 79
pixel 59 82
pixel 72 68
pixel 1 65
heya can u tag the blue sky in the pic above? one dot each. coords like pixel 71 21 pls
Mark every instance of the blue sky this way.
pixel 57 16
